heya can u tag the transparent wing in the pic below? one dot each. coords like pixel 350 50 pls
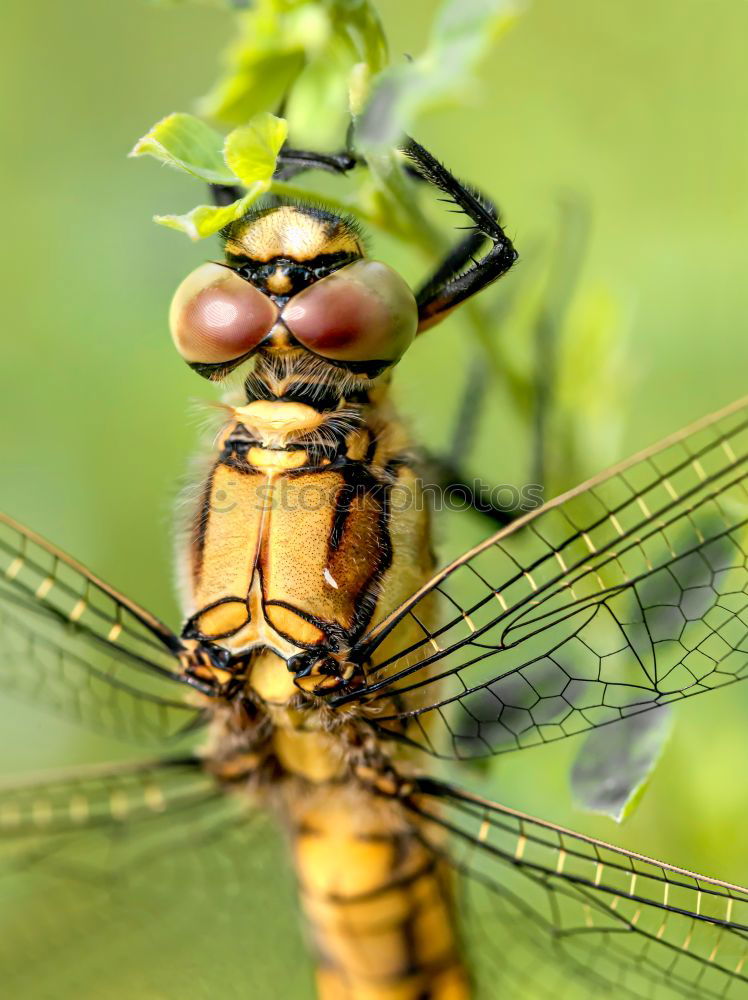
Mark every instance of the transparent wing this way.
pixel 70 642
pixel 66 840
pixel 107 872
pixel 98 796
pixel 610 922
pixel 624 594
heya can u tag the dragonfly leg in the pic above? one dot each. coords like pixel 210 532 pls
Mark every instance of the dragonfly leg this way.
pixel 460 275
pixel 323 673
pixel 291 162
pixel 206 667
pixel 448 473
pixel 454 483
pixel 294 161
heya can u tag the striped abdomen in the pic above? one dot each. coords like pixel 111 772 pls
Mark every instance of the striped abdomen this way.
pixel 377 900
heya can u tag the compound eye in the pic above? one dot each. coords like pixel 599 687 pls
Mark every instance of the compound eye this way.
pixel 217 316
pixel 364 312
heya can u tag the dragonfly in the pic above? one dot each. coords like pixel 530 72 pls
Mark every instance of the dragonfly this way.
pixel 324 662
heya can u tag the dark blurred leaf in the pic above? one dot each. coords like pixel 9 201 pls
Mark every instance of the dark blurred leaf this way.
pixel 613 767
pixel 511 706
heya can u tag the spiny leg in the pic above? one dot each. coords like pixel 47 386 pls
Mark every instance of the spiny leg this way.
pixel 447 287
pixel 448 470
pixel 451 285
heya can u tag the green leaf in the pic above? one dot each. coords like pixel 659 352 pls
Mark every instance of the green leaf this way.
pixel 323 83
pixel 463 32
pixel 275 41
pixel 252 87
pixel 205 220
pixel 615 763
pixel 252 150
pixel 297 52
pixel 183 141
pixel 250 155
pixel 358 21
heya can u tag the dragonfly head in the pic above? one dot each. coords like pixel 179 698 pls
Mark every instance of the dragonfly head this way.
pixel 295 280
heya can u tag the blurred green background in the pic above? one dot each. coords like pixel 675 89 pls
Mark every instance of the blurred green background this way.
pixel 636 108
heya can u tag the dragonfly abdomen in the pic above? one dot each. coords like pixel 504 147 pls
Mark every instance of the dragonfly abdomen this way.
pixel 377 900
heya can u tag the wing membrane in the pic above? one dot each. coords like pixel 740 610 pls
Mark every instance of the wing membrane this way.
pixel 72 643
pixel 100 795
pixel 621 923
pixel 102 854
pixel 624 594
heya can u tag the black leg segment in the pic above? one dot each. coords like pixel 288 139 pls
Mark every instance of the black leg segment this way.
pixel 451 284
pixel 291 162
pixel 294 161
